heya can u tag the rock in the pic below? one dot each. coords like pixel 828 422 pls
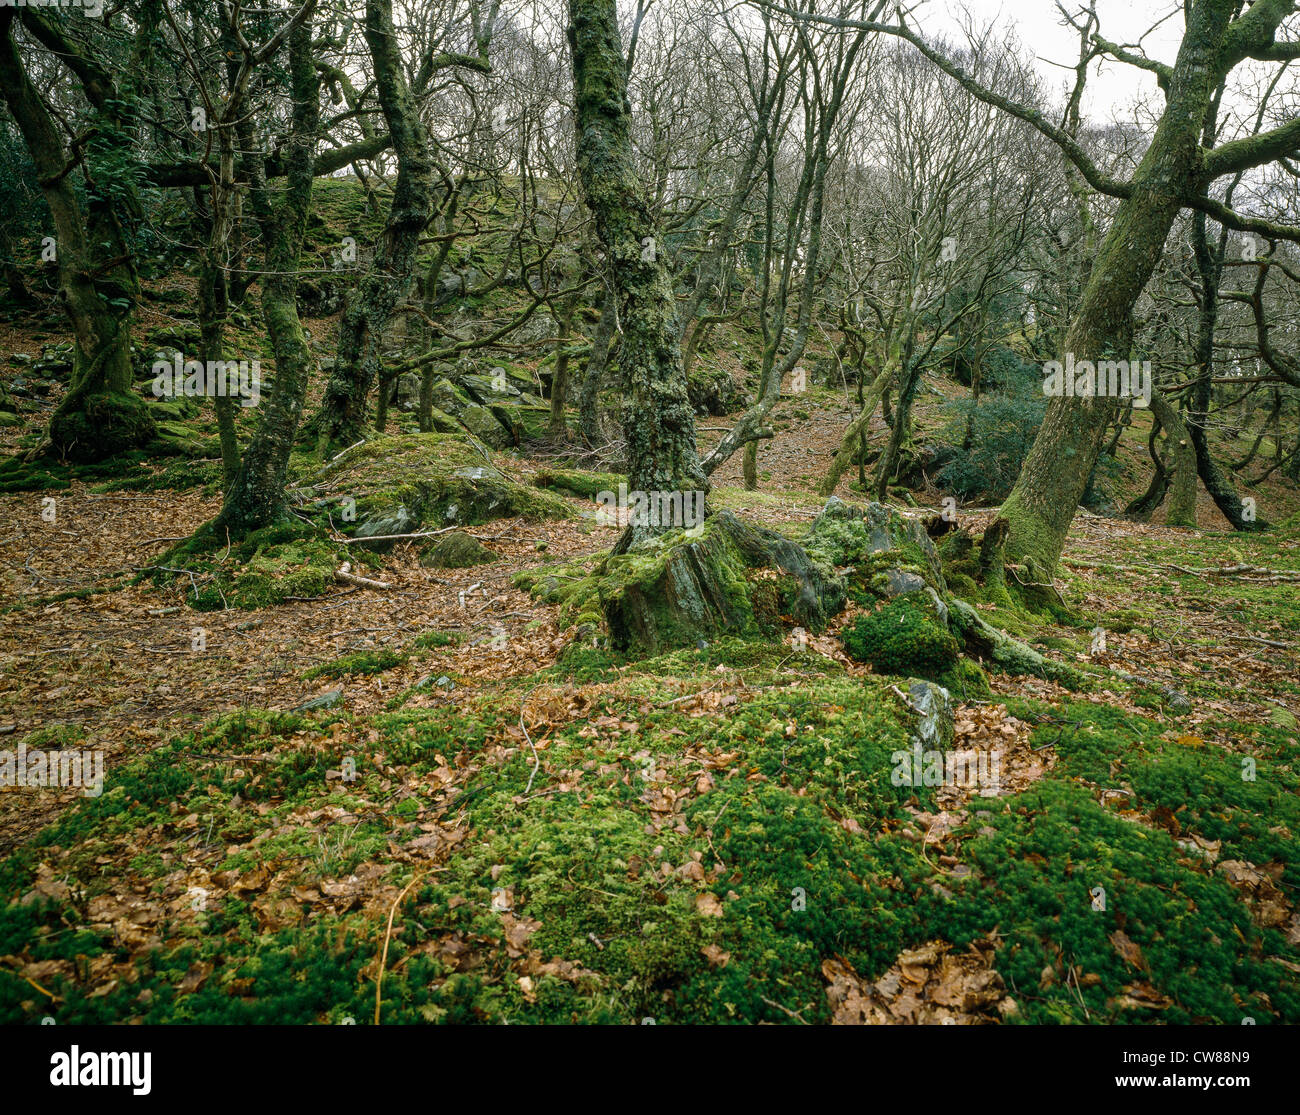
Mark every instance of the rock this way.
pixel 537 328
pixel 408 391
pixel 888 552
pixel 732 578
pixel 713 391
pixel 933 706
pixel 383 523
pixel 320 297
pixel 325 700
pixel 55 361
pixel 403 482
pixel 898 582
pixel 477 419
pixel 457 550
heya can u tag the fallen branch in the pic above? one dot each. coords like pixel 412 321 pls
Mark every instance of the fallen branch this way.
pixel 344 577
pixel 395 537
pixel 383 959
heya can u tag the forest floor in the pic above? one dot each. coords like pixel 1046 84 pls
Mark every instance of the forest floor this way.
pixel 542 832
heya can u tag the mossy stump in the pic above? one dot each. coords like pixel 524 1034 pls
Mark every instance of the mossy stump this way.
pixel 730 577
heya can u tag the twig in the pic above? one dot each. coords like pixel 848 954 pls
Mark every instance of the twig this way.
pixel 395 537
pixel 344 577
pixel 537 759
pixel 383 959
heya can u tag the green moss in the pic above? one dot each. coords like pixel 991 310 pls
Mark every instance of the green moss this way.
pixel 431 640
pixel 360 662
pixel 104 425
pixel 905 637
pixel 264 568
pixel 457 550
pixel 966 680
pixel 439 479
pixel 583 485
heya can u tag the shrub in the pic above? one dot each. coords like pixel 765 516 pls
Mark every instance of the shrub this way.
pixel 1002 427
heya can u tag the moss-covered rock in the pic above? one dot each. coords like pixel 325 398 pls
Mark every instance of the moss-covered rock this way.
pixel 431 480
pixel 727 577
pixel 102 426
pixel 885 553
pixel 713 390
pixel 478 420
pixel 457 550
pixel 286 561
pixel 584 485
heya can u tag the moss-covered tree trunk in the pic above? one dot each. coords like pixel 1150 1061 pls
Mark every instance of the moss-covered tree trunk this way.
pixel 658 421
pixel 853 443
pixel 343 415
pixel 1209 266
pixel 256 497
pixel 593 375
pixel 1055 475
pixel 100 414
pixel 1182 456
pixel 557 427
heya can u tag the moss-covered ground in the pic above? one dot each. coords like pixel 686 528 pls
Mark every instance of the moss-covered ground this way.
pixel 690 838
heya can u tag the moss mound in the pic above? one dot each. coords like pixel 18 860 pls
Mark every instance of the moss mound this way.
pixel 905 636
pixel 457 550
pixel 583 485
pixel 437 480
pixel 267 567
pixel 361 662
pixel 105 425
pixel 882 552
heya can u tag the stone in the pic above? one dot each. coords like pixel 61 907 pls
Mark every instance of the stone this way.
pixel 397 521
pixel 730 578
pixel 325 700
pixel 457 550
pixel 898 582
pixel 933 706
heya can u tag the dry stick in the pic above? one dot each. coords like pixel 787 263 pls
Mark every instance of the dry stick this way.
pixel 395 537
pixel 342 575
pixel 1266 642
pixel 383 959
pixel 537 759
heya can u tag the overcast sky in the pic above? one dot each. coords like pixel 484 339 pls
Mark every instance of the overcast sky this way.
pixel 1039 27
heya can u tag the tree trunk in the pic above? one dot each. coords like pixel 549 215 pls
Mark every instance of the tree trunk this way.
pixel 852 444
pixel 556 428
pixel 1055 475
pixel 361 330
pixel 593 375
pixel 100 415
pixel 1182 480
pixel 658 421
pixel 256 498
pixel 1212 476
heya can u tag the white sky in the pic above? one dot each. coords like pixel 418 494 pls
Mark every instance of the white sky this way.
pixel 1039 26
